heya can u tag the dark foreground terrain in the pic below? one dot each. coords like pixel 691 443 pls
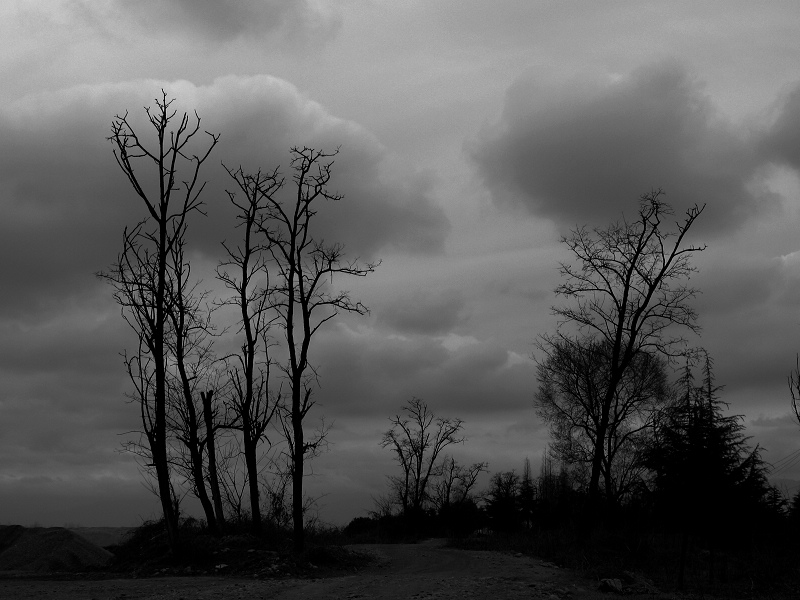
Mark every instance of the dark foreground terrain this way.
pixel 428 570
pixel 135 565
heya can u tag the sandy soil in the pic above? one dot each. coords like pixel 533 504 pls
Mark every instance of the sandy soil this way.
pixel 425 571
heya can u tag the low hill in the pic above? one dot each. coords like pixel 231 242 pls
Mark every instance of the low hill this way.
pixel 47 550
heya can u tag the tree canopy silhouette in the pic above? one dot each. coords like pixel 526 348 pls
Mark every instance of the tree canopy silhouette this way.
pixel 629 295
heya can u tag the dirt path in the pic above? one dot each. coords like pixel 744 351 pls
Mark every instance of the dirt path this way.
pixel 425 571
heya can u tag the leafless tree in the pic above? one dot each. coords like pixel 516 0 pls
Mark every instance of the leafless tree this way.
pixel 794 388
pixel 455 482
pixel 213 425
pixel 301 295
pixel 629 293
pixel 232 476
pixel 141 272
pixel 245 273
pixel 573 379
pixel 417 438
pixel 192 365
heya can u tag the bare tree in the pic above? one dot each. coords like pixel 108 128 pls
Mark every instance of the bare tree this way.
pixel 140 275
pixel 573 379
pixel 212 424
pixel 232 477
pixel 245 273
pixel 192 366
pixel 301 295
pixel 417 438
pixel 629 291
pixel 455 482
pixel 794 388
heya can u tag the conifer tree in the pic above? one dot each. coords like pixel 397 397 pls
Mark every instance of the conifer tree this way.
pixel 706 475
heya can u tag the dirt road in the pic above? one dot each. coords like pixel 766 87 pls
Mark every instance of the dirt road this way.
pixel 425 571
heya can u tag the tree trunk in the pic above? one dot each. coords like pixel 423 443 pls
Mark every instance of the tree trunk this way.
pixel 193 442
pixel 297 471
pixel 159 453
pixel 251 463
pixel 199 482
pixel 159 447
pixel 597 464
pixel 212 459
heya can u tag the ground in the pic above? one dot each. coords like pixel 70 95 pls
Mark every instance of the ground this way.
pixel 425 571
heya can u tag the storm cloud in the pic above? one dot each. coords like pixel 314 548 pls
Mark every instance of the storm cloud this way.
pixel 471 136
pixel 585 153
pixel 66 203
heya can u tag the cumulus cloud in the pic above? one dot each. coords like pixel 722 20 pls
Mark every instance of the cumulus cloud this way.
pixel 65 202
pixel 586 153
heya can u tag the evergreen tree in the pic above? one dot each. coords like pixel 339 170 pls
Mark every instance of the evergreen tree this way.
pixel 704 469
pixel 708 481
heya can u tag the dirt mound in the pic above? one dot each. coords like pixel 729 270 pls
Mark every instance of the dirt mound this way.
pixel 103 536
pixel 47 550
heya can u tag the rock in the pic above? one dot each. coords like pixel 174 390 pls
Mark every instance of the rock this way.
pixel 610 585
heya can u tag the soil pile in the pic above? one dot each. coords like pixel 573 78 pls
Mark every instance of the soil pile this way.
pixel 48 550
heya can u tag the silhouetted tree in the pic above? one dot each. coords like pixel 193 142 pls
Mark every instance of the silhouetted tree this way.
pixel 555 489
pixel 503 501
pixel 573 397
pixel 417 438
pixel 141 273
pixel 191 410
pixel 210 420
pixel 527 495
pixel 794 388
pixel 793 511
pixel 706 477
pixel 245 273
pixel 303 266
pixel 629 293
pixel 455 482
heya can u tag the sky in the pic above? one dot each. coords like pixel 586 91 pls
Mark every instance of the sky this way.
pixel 473 135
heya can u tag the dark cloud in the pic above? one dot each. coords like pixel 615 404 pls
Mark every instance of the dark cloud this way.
pixel 225 20
pixel 727 287
pixel 369 373
pixel 424 312
pixel 78 340
pixel 781 141
pixel 65 202
pixel 55 501
pixel 385 203
pixel 587 153
pixel 57 189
